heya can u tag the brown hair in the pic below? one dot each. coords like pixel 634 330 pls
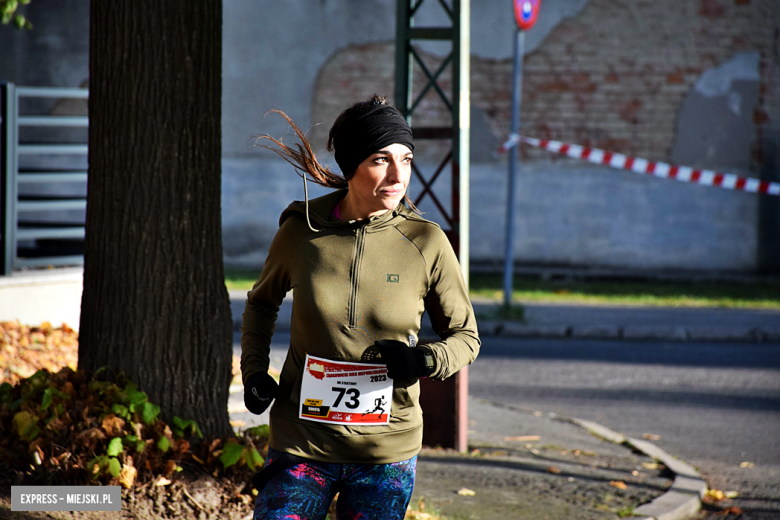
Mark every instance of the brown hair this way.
pixel 301 156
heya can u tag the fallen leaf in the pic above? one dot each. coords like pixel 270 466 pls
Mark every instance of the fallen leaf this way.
pixel 618 484
pixel 127 476
pixel 650 465
pixel 181 446
pixel 716 494
pixel 113 425
pixel 746 464
pixel 553 470
pixel 22 422
pixel 466 492
pixel 523 438
pixel 731 494
pixel 69 389
pixel 733 510
pixel 635 473
pixel 89 438
pixel 38 456
pixel 651 436
pixel 170 467
pixel 162 481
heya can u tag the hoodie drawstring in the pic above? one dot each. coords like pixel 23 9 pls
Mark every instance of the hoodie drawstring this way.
pixel 306 195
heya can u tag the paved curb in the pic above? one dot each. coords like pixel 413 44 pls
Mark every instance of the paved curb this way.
pixel 508 329
pixel 682 500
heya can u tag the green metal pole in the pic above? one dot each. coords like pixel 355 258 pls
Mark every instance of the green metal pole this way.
pixel 403 69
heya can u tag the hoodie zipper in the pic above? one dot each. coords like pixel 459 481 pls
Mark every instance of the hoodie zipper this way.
pixel 357 260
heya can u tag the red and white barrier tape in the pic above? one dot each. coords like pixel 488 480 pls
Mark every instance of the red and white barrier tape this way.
pixel 657 169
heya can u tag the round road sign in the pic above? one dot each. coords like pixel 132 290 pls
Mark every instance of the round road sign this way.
pixel 526 12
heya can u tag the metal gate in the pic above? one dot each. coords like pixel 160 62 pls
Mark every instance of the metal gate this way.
pixel 43 201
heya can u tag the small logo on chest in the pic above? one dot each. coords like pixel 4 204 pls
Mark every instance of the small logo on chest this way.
pixel 393 278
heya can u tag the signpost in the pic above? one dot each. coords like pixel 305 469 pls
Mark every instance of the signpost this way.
pixel 526 12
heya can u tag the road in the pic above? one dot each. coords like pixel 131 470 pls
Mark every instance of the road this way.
pixel 714 405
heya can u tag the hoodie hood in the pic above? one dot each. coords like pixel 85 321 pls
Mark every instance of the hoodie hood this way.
pixel 321 213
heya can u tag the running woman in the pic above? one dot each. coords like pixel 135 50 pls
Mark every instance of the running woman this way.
pixel 363 267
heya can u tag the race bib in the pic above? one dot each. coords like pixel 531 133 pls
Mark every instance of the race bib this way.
pixel 345 393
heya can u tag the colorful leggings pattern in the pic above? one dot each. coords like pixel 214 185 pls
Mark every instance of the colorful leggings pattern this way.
pixel 366 491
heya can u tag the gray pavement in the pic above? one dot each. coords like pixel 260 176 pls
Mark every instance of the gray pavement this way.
pixel 526 464
pixel 531 464
pixel 639 323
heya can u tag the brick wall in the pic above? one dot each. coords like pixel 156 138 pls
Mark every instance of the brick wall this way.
pixel 612 77
pixel 357 72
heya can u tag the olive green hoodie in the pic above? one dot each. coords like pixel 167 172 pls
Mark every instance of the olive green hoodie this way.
pixel 355 282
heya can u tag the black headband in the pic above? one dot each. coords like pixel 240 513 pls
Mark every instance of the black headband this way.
pixel 367 132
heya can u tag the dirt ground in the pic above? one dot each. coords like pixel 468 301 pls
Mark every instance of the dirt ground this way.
pixel 190 497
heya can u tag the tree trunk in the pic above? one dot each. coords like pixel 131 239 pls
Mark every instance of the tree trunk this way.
pixel 154 302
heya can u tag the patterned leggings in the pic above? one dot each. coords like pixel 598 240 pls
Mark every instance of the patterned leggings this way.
pixel 366 491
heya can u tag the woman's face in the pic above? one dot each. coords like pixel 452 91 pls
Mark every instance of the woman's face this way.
pixel 380 181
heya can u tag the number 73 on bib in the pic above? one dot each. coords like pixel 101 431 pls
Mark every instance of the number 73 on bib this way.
pixel 340 392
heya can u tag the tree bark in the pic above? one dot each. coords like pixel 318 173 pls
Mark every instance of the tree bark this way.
pixel 154 303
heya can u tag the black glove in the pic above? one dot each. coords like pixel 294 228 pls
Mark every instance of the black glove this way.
pixel 259 390
pixel 403 361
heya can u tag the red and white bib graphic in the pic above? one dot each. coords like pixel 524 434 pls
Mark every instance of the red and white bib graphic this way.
pixel 345 392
